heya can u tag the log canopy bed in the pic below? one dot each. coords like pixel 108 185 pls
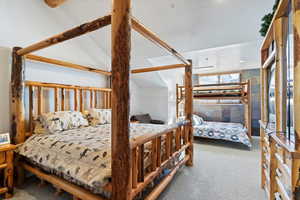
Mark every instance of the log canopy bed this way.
pixel 133 156
pixel 280 102
pixel 234 132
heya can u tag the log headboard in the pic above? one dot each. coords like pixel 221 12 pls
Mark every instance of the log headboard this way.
pixel 50 97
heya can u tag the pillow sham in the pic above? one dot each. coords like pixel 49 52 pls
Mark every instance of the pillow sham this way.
pixel 60 121
pixel 39 128
pixel 197 120
pixel 99 116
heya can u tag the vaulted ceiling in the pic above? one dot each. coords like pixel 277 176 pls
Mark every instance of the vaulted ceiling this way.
pixel 189 25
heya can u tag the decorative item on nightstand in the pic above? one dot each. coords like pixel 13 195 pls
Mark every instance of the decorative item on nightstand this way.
pixel 4 139
pixel 6 164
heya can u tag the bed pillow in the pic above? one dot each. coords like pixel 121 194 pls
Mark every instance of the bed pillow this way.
pixel 99 116
pixel 60 121
pixel 39 128
pixel 197 120
pixel 144 118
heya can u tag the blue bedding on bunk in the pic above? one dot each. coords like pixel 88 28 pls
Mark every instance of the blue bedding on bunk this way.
pixel 234 132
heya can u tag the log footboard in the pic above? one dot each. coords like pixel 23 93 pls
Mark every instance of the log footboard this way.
pixel 166 147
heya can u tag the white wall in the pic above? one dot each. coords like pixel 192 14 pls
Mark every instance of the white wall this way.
pixel 152 100
pixel 4 89
pixel 134 98
pixel 52 74
pixel 42 73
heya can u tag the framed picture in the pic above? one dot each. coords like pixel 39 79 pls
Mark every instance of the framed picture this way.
pixel 4 138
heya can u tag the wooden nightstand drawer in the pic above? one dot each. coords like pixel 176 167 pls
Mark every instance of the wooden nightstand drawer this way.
pixel 282 191
pixel 277 196
pixel 285 181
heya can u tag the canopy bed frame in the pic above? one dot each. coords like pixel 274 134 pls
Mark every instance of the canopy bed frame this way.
pixel 128 178
pixel 280 101
pixel 240 91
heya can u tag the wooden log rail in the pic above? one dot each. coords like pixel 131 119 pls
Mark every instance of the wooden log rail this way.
pixel 66 64
pixel 281 11
pixel 244 87
pixel 144 31
pixel 221 84
pixel 98 98
pixel 67 35
pixel 165 147
pixel 158 68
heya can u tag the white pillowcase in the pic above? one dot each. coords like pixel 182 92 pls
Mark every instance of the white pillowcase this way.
pixel 197 120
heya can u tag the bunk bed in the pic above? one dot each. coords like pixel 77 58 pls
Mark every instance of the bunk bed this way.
pixel 134 156
pixel 239 92
pixel 279 124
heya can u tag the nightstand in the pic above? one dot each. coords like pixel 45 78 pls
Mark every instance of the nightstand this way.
pixel 6 164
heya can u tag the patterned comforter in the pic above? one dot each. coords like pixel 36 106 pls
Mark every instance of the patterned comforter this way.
pixel 82 156
pixel 233 132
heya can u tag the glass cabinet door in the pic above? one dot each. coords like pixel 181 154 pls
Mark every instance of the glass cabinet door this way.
pixel 290 78
pixel 271 98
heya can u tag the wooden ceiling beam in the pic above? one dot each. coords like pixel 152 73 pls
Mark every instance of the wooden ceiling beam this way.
pixel 66 64
pixel 67 35
pixel 54 3
pixel 140 28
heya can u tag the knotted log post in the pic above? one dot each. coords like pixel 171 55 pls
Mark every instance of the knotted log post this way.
pixel 17 97
pixel 17 124
pixel 121 43
pixel 188 108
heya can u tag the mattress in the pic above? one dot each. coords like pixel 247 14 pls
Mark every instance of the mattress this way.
pixel 81 156
pixel 234 132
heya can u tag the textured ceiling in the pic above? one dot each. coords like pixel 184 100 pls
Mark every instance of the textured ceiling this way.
pixel 187 25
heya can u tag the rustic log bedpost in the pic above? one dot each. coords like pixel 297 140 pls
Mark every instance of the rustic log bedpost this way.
pixel 248 110
pixel 188 108
pixel 17 124
pixel 280 36
pixel 17 98
pixel 121 44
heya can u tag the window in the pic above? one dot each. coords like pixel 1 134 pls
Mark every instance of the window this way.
pixel 205 80
pixel 217 79
pixel 230 78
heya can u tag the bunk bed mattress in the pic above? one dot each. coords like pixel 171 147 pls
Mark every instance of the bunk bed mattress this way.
pixel 234 132
pixel 81 156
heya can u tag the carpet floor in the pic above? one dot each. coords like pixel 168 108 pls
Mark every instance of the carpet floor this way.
pixel 222 171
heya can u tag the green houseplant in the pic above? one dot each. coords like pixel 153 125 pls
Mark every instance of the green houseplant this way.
pixel 267 19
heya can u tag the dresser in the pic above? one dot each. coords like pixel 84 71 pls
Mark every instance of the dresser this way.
pixel 280 103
